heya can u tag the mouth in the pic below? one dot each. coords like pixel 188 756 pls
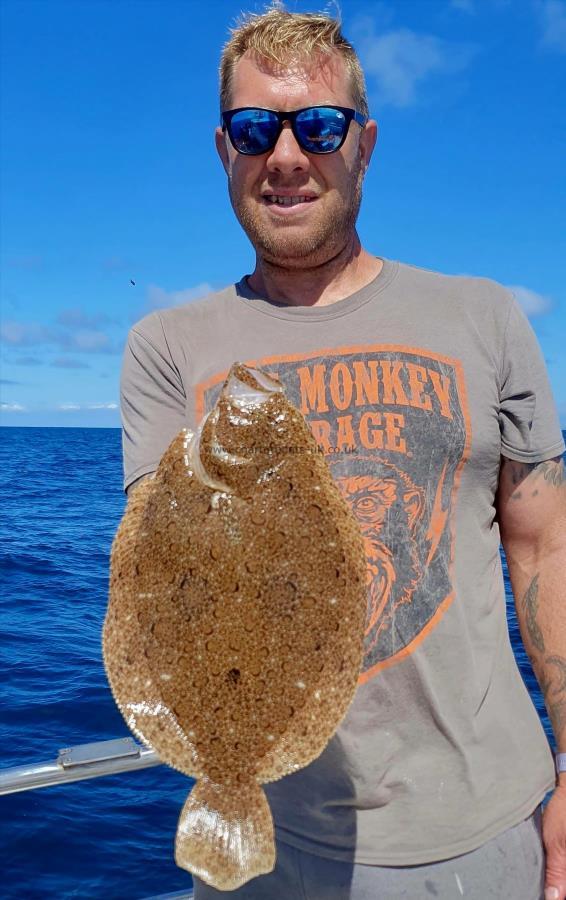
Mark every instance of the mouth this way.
pixel 285 200
pixel 287 204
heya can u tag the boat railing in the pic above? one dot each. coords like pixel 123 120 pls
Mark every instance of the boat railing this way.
pixel 81 762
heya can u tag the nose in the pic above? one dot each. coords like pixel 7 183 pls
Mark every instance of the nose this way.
pixel 287 156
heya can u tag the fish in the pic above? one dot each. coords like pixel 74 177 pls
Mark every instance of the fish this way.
pixel 233 637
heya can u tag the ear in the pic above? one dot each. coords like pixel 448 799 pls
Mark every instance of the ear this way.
pixel 368 140
pixel 414 504
pixel 222 149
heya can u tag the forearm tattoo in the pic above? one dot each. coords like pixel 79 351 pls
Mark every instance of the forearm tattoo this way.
pixel 555 695
pixel 550 669
pixel 530 605
pixel 526 480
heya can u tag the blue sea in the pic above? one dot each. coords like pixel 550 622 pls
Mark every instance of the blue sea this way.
pixel 110 837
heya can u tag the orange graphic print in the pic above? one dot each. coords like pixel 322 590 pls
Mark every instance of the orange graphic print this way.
pixel 372 498
pixel 393 424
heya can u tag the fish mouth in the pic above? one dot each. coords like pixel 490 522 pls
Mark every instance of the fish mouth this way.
pixel 246 389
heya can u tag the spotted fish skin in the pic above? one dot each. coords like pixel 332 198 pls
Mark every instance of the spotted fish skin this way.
pixel 234 633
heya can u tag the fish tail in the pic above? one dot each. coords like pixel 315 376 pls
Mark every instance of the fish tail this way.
pixel 225 834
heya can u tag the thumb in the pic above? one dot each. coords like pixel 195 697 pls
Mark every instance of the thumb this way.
pixel 555 881
pixel 554 839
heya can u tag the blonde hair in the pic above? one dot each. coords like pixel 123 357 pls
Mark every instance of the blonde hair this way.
pixel 282 37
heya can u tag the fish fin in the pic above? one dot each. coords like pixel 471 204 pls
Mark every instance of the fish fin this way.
pixel 225 835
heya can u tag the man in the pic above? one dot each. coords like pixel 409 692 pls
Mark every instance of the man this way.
pixel 429 396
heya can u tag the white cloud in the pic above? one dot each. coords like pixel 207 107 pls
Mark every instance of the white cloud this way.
pixel 23 333
pixel 552 16
pixel 62 407
pixel 28 361
pixel 402 59
pixel 12 407
pixel 78 318
pixel 71 407
pixel 63 336
pixel 531 303
pixel 88 340
pixel 158 298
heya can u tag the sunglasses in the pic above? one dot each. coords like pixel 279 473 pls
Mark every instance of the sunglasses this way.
pixel 317 129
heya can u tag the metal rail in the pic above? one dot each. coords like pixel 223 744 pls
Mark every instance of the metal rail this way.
pixel 82 762
pixel 79 763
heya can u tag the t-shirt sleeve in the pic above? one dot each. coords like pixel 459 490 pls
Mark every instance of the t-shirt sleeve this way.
pixel 528 420
pixel 152 399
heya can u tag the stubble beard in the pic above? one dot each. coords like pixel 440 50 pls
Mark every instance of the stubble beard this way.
pixel 306 248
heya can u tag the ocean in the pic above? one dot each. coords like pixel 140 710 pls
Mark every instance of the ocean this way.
pixel 110 837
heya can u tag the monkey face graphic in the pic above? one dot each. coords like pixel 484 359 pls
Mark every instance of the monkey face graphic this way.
pixel 389 508
pixel 403 410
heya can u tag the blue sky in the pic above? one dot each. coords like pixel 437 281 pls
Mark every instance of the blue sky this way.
pixel 109 172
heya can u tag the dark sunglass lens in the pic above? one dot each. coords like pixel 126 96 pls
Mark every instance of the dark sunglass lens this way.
pixel 321 129
pixel 253 131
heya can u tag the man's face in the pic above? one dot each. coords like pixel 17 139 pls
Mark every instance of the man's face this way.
pixel 309 233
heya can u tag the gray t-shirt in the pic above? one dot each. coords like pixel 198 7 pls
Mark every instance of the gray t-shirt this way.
pixel 414 386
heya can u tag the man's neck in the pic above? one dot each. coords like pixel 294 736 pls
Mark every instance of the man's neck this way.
pixel 319 285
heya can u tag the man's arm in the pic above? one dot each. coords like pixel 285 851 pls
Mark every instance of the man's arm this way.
pixel 532 518
pixel 531 505
pixel 152 396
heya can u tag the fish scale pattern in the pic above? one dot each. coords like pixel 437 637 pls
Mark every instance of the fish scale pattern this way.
pixel 234 633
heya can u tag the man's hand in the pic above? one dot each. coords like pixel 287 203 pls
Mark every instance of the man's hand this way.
pixel 554 838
